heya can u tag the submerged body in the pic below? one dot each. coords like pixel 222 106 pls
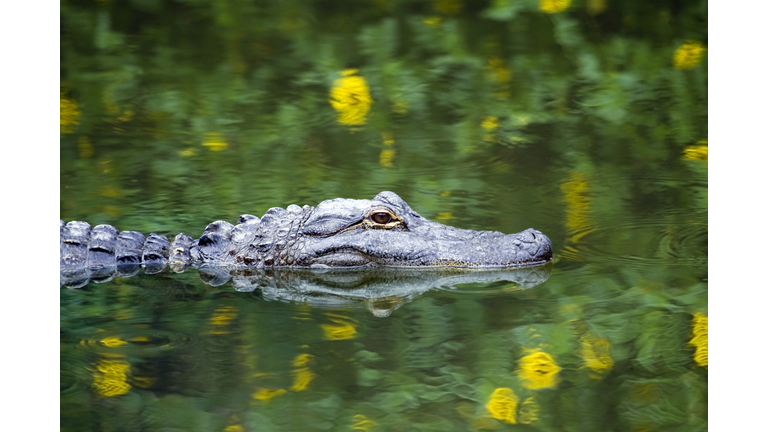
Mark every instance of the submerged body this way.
pixel 384 231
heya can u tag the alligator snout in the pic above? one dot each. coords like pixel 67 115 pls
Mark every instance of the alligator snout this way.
pixel 534 243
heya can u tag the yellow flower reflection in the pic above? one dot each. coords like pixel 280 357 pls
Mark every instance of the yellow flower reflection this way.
pixel 386 157
pixel 110 377
pixel 490 124
pixel 596 353
pixel 577 210
pixel 302 375
pixel 503 405
pixel 387 138
pixel 69 114
pixel 351 98
pixel 264 394
pixel 388 154
pixel 215 141
pixel 84 147
pixel 222 318
pixel 343 328
pixel 688 55
pixel 113 341
pixel 529 411
pixel 700 151
pixel 538 370
pixel 188 152
pixel 553 6
pixel 501 73
pixel 432 21
pixel 362 423
pixel 700 339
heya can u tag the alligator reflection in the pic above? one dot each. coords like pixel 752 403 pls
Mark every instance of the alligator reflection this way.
pixel 380 289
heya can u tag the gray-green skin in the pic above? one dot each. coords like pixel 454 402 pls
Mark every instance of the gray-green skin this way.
pixel 384 231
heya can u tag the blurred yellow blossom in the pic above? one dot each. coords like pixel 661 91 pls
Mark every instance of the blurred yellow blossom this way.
pixel 400 107
pixel 700 339
pixel 596 353
pixel 386 157
pixel 432 21
pixel 688 55
pixel 126 116
pixel 302 375
pixel 503 405
pixel 553 6
pixel 84 147
pixel 490 124
pixel 529 411
pixel 302 359
pixel 577 210
pixel 221 318
pixel 362 423
pixel 187 152
pixel 110 377
pixel 351 98
pixel 387 138
pixel 501 73
pixel 264 394
pixel 69 114
pixel 215 141
pixel 700 151
pixel 301 379
pixel 113 341
pixel 339 331
pixel 538 370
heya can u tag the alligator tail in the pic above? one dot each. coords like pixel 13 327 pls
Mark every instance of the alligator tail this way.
pixel 103 250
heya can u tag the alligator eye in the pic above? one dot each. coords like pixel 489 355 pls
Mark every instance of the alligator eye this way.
pixel 381 218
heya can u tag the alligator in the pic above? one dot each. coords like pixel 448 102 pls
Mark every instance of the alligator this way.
pixel 382 232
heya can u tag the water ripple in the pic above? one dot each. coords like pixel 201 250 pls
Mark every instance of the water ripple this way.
pixel 642 243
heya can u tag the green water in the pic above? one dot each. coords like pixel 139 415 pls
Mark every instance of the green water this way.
pixel 589 124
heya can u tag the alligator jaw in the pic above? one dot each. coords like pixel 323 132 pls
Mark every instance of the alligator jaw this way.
pixel 438 246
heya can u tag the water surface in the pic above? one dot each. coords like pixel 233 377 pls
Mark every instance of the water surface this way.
pixel 587 122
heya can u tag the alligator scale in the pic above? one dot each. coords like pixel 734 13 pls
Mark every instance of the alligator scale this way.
pixel 384 231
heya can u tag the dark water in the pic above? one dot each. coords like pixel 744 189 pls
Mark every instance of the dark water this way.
pixel 589 124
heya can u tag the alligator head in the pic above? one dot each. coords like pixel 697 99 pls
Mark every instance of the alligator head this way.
pixel 384 231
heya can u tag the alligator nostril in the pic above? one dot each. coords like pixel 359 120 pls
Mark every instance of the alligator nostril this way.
pixel 526 236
